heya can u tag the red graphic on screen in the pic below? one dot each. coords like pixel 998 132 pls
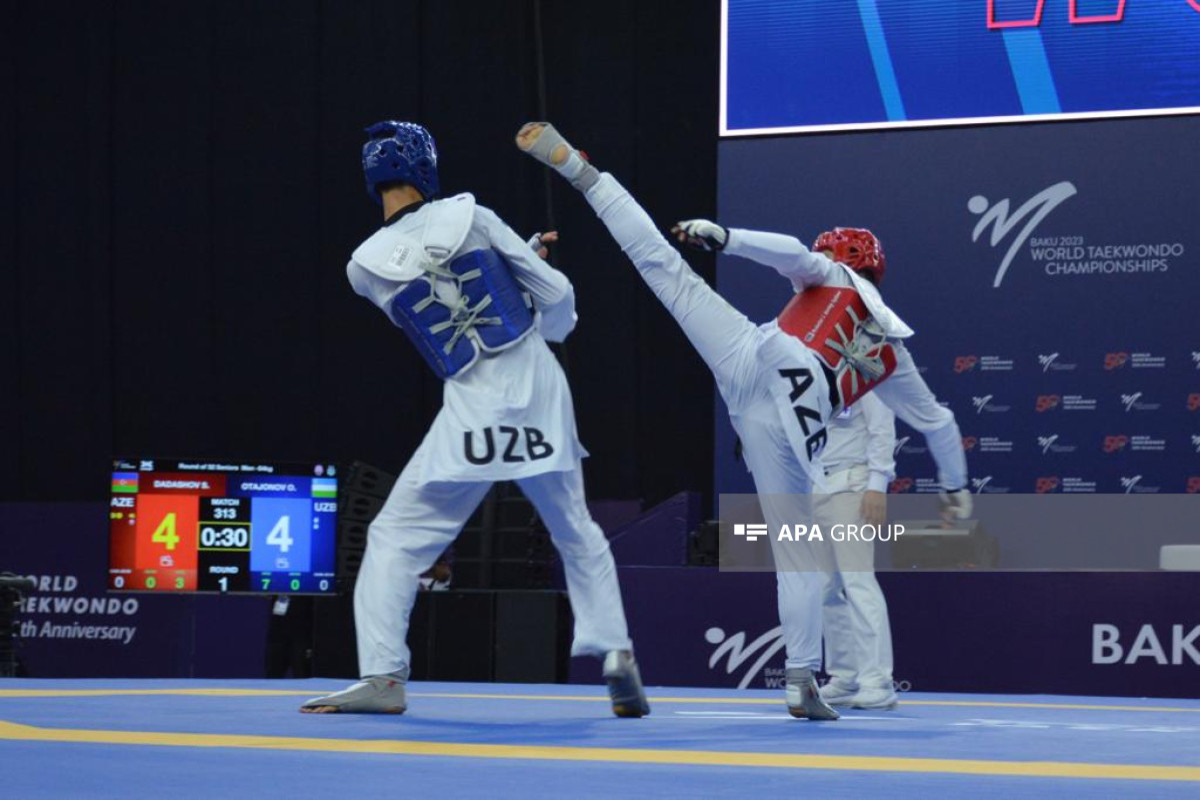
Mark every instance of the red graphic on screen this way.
pixel 964 363
pixel 1193 483
pixel 969 442
pixel 1029 22
pixel 901 485
pixel 202 484
pixel 165 535
pixel 1193 402
pixel 1034 21
pixel 1079 19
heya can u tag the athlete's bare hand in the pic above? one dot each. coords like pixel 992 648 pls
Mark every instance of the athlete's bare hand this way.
pixel 874 507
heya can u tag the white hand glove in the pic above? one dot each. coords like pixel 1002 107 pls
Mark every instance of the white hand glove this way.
pixel 701 233
pixel 956 505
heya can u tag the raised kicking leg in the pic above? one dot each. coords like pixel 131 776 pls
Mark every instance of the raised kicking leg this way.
pixel 727 342
pixel 721 334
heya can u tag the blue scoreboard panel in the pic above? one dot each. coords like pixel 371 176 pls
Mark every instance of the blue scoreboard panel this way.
pixel 791 66
pixel 186 526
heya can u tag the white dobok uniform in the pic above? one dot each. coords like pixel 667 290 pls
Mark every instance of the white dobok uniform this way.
pixel 858 457
pixel 482 434
pixel 755 367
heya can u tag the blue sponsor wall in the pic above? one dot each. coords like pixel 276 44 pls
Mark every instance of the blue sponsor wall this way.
pixel 1050 271
pixel 1102 634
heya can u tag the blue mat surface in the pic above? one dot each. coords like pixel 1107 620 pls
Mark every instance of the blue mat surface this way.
pixel 75 738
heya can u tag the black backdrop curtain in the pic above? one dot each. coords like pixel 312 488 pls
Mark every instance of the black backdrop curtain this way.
pixel 180 191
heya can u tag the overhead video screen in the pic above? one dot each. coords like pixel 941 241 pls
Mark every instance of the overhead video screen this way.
pixel 795 66
pixel 199 526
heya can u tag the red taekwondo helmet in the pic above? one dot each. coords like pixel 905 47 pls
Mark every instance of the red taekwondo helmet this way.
pixel 857 248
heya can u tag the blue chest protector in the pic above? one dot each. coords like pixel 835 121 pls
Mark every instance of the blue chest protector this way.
pixel 491 314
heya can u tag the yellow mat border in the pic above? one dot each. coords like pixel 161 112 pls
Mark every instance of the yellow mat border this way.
pixel 755 701
pixel 1035 769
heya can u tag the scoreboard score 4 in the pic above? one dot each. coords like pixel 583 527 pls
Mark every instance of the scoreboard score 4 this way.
pixel 197 526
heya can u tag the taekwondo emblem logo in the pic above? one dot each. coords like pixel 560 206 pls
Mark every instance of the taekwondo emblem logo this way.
pixel 1134 485
pixel 1196 442
pixel 984 485
pixel 1046 442
pixel 736 652
pixel 985 403
pixel 751 532
pixel 1050 363
pixel 1196 358
pixel 900 442
pixel 1032 212
pixel 1133 402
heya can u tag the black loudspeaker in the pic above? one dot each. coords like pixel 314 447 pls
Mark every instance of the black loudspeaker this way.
pixel 360 478
pixel 703 545
pixel 335 654
pixel 482 636
pixel 460 641
pixel 926 544
pixel 362 492
pixel 533 637
pixel 12 589
pixel 359 507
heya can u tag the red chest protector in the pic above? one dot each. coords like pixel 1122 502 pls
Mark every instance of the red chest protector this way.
pixel 834 322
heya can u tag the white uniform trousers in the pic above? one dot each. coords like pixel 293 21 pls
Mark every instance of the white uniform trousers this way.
pixel 419 520
pixel 728 343
pixel 858 637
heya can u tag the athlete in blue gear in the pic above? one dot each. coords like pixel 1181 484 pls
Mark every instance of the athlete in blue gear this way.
pixel 480 305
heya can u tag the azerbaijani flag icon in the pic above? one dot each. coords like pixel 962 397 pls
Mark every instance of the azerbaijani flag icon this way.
pixel 324 487
pixel 125 483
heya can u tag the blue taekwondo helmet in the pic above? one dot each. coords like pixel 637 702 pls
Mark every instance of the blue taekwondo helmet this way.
pixel 400 151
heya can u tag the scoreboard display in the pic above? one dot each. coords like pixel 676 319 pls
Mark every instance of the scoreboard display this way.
pixel 197 526
pixel 797 66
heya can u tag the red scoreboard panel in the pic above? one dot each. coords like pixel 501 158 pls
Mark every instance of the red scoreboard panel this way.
pixel 179 526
